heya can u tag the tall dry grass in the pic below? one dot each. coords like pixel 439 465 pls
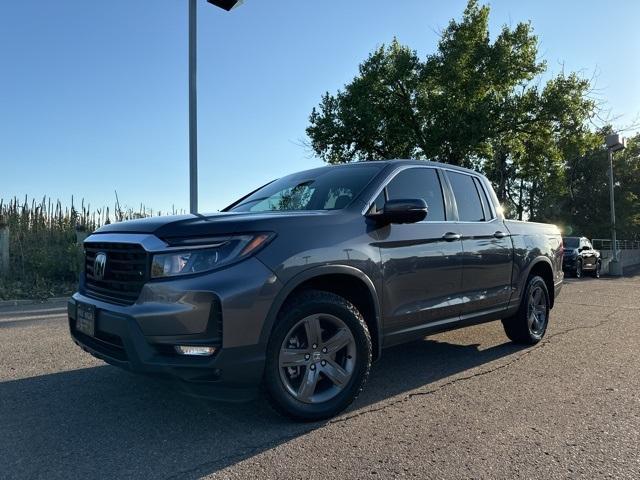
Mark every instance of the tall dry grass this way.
pixel 45 258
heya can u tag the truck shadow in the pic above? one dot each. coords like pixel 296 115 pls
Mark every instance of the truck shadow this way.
pixel 102 422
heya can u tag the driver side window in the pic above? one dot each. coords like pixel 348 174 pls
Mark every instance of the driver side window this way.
pixel 418 182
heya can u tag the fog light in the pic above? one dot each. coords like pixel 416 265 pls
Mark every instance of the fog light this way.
pixel 195 350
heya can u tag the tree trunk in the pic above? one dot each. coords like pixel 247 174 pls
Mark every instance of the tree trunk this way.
pixel 532 196
pixel 520 200
pixel 500 159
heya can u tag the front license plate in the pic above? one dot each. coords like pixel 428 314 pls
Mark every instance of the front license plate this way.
pixel 86 319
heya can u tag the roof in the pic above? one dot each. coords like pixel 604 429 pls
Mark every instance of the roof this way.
pixel 400 161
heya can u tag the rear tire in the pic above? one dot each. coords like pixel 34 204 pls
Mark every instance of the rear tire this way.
pixel 318 356
pixel 530 322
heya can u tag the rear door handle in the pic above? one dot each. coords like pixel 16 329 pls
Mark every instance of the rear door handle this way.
pixel 451 236
pixel 500 234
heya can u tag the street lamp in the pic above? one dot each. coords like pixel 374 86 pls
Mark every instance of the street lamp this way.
pixel 193 104
pixel 614 142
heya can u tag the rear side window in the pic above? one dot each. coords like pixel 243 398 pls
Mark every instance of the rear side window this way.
pixel 483 198
pixel 467 197
pixel 419 183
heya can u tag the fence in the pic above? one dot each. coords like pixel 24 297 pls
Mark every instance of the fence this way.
pixel 605 244
pixel 628 252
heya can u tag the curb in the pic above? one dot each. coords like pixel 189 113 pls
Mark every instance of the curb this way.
pixel 16 303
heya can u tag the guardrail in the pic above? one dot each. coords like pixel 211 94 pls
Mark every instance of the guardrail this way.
pixel 605 244
pixel 628 252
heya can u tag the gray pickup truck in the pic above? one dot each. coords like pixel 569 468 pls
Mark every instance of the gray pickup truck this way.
pixel 301 284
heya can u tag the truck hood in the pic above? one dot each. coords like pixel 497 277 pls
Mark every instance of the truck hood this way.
pixel 223 223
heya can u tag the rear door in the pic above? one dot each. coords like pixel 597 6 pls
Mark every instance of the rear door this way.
pixel 421 263
pixel 486 244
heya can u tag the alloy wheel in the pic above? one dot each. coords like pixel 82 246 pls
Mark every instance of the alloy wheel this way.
pixel 537 311
pixel 317 358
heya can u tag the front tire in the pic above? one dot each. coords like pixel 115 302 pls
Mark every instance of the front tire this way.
pixel 318 356
pixel 529 324
pixel 578 272
pixel 596 272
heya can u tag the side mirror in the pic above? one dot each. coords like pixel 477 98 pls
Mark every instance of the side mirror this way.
pixel 402 211
pixel 583 248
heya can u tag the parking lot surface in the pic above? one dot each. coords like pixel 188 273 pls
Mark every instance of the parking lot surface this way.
pixel 463 404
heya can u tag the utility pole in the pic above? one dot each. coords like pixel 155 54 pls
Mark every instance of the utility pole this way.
pixel 193 96
pixel 614 143
pixel 193 108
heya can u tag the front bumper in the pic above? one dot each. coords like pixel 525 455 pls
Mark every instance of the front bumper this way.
pixel 225 309
pixel 569 263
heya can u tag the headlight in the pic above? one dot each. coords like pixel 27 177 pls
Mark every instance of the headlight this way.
pixel 216 253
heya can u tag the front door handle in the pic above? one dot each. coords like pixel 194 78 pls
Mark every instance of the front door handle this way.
pixel 451 236
pixel 500 234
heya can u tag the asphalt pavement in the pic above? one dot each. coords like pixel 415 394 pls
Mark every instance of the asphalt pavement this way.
pixel 462 404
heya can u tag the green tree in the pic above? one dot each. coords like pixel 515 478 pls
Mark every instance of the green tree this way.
pixel 584 207
pixel 473 102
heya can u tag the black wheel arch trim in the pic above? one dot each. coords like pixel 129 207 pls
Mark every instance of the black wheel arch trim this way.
pixel 316 272
pixel 532 264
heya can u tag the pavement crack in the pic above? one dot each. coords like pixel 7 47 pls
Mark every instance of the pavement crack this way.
pixel 623 307
pixel 251 450
pixel 422 393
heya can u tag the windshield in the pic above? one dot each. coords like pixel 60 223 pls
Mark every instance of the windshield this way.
pixel 322 189
pixel 571 242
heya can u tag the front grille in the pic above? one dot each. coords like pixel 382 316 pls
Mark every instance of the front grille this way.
pixel 126 272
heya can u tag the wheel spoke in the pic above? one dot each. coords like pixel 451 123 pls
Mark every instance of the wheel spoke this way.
pixel 537 296
pixel 334 372
pixel 338 341
pixel 313 331
pixel 308 385
pixel 290 357
pixel 311 369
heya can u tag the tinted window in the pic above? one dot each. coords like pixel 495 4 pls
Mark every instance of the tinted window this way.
pixel 483 198
pixel 467 198
pixel 419 183
pixel 322 189
pixel 570 242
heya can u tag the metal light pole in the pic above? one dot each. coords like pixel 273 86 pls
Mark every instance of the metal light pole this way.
pixel 193 109
pixel 614 143
pixel 193 97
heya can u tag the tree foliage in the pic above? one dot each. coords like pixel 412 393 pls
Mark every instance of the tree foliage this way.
pixel 475 102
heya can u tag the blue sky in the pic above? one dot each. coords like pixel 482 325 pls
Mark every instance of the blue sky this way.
pixel 93 94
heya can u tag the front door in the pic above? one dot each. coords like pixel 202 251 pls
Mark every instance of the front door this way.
pixel 421 262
